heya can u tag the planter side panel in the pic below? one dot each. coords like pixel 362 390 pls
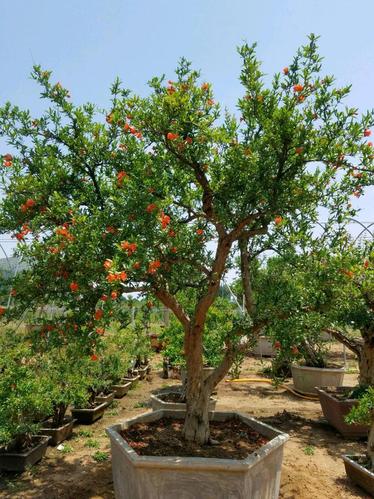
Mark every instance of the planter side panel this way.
pixel 261 481
pixel 306 379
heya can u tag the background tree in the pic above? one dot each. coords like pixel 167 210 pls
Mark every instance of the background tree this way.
pixel 155 198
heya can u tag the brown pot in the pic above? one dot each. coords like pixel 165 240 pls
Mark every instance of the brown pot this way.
pixel 142 371
pixel 108 399
pixel 89 416
pixel 121 389
pixel 358 474
pixel 131 379
pixel 19 461
pixel 336 410
pixel 59 434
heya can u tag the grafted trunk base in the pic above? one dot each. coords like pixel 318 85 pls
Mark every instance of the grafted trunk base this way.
pixel 366 364
pixel 196 424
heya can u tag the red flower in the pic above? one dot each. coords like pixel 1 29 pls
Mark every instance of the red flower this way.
pixel 99 314
pixel 136 265
pixel 126 127
pixel 111 277
pixel 367 133
pixel 120 177
pixel 277 345
pixel 170 89
pixel 104 298
pixel 149 304
pixel 123 276
pixel 153 266
pixel 94 357
pixel 205 87
pixel 171 233
pixel 53 249
pixel 165 220
pixel 111 230
pixel 151 207
pixel 2 310
pixel 199 232
pixel 285 71
pixel 299 150
pixel 74 287
pixel 7 164
pixel 188 140
pixel 9 157
pixel 370 144
pixel 298 88
pixel 366 264
pixel 30 203
pixel 278 220
pixel 13 292
pixel 130 248
pixel 172 136
pixel 294 350
pixel 114 295
pixel 174 249
pixel 100 330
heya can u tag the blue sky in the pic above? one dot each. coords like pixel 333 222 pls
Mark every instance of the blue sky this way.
pixel 87 43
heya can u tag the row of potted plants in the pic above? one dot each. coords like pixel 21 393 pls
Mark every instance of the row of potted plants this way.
pixel 38 390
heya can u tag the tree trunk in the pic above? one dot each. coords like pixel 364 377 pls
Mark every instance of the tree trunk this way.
pixel 366 362
pixel 196 425
pixel 370 449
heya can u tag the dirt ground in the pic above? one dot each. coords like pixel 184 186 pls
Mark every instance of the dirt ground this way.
pixel 312 467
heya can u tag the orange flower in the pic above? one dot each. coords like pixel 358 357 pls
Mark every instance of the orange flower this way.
pixel 367 133
pixel 108 264
pixel 54 250
pixel 153 266
pixel 9 157
pixel 285 71
pixel 278 220
pixel 130 248
pixel 366 264
pixel 370 144
pixel 2 310
pixel 172 136
pixel 100 330
pixel 149 304
pixel 174 249
pixel 294 350
pixel 171 233
pixel 170 89
pixel 136 265
pixel 277 345
pixel 111 277
pixel 120 177
pixel 122 276
pixel 111 230
pixel 7 164
pixel 103 297
pixel 114 295
pixel 13 292
pixel 199 232
pixel 94 357
pixel 205 87
pixel 74 287
pixel 301 98
pixel 165 220
pixel 210 102
pixel 109 118
pixel 298 88
pixel 299 150
pixel 99 314
pixel 126 127
pixel 151 207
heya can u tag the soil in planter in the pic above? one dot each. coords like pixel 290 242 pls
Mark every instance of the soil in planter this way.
pixel 173 397
pixel 363 461
pixel 164 438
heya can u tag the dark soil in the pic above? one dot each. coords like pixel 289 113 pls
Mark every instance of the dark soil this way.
pixel 50 424
pixel 346 393
pixel 363 461
pixel 164 437
pixel 174 397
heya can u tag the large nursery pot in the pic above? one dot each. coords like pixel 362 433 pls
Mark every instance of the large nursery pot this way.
pixel 143 370
pixel 20 461
pixel 158 403
pixel 58 434
pixel 107 398
pixel 160 477
pixel 358 474
pixel 335 411
pixel 89 415
pixel 132 379
pixel 121 388
pixel 305 378
pixel 263 347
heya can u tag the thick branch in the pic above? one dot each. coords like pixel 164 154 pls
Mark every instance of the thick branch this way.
pixel 245 275
pixel 171 302
pixel 353 345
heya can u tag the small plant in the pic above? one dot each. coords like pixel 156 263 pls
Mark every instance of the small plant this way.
pixel 140 404
pixel 85 433
pixel 309 450
pixel 100 456
pixel 92 444
pixel 67 449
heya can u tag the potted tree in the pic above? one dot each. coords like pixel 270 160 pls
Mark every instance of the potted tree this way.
pixel 170 190
pixel 360 469
pixel 24 401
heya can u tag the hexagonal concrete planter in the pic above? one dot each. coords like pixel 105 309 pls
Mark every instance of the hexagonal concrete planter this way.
pixel 157 403
pixel 153 477
pixel 305 379
pixel 358 474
